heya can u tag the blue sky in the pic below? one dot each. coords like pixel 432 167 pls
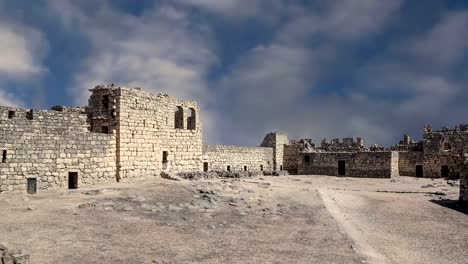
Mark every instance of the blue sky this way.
pixel 314 69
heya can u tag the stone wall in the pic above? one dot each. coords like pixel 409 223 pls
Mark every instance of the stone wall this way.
pixel 434 166
pixel 156 133
pixel 291 156
pixel 46 145
pixel 357 164
pixel 464 185
pixel 219 157
pixel 277 141
pixel 407 162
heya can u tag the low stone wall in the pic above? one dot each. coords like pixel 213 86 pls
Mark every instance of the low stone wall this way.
pixel 433 166
pixel 356 164
pixel 407 162
pixel 219 157
pixel 47 145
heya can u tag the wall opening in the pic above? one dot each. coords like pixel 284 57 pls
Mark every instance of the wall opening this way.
pixel 105 129
pixel 30 115
pixel 245 168
pixel 228 168
pixel 341 167
pixel 205 166
pixel 4 156
pixel 261 167
pixel 307 158
pixel 447 146
pixel 31 185
pixel 281 168
pixel 419 171
pixel 191 120
pixel 164 157
pixel 444 171
pixel 11 114
pixel 105 102
pixel 73 180
pixel 179 117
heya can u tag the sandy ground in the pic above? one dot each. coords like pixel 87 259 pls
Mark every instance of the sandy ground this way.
pixel 294 219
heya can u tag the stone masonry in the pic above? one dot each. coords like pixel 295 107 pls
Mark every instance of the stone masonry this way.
pixel 127 134
pixel 235 158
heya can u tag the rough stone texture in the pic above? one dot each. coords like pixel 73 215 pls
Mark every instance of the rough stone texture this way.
pixel 219 157
pixel 407 162
pixel 50 144
pixel 292 153
pixel 358 164
pixel 277 141
pixel 464 185
pixel 8 256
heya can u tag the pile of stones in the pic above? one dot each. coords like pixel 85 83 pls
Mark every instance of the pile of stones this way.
pixel 12 256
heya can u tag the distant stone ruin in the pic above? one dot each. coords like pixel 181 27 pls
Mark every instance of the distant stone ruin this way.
pixel 127 134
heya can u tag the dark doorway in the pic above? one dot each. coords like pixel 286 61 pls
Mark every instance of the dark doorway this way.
pixel 205 166
pixel 444 171
pixel 261 167
pixel 341 168
pixel 245 168
pixel 419 171
pixel 32 185
pixel 228 168
pixel 73 180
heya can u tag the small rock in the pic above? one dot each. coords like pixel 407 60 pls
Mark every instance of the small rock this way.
pixel 30 208
pixel 128 208
pixel 233 204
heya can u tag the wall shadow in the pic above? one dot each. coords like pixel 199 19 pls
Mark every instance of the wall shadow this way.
pixel 453 204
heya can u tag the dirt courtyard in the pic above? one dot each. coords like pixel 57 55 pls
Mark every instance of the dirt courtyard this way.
pixel 288 219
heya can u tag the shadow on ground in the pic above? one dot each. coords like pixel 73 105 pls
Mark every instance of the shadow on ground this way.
pixel 453 204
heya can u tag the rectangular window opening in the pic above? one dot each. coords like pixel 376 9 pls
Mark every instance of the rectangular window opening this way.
pixel 4 156
pixel 261 167
pixel 341 168
pixel 245 168
pixel 105 102
pixel 31 185
pixel 228 168
pixel 11 114
pixel 419 171
pixel 72 180
pixel 164 157
pixel 105 129
pixel 307 158
pixel 205 166
pixel 30 115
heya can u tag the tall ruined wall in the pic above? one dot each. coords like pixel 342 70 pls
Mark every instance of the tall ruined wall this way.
pixel 47 145
pixel 408 160
pixel 357 164
pixel 464 184
pixel 277 141
pixel 291 155
pixel 147 128
pixel 219 157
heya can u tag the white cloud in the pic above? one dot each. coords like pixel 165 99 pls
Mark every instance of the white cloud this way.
pixel 161 50
pixel 9 99
pixel 443 45
pixel 22 49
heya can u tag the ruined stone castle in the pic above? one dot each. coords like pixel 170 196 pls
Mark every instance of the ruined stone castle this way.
pixel 127 134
